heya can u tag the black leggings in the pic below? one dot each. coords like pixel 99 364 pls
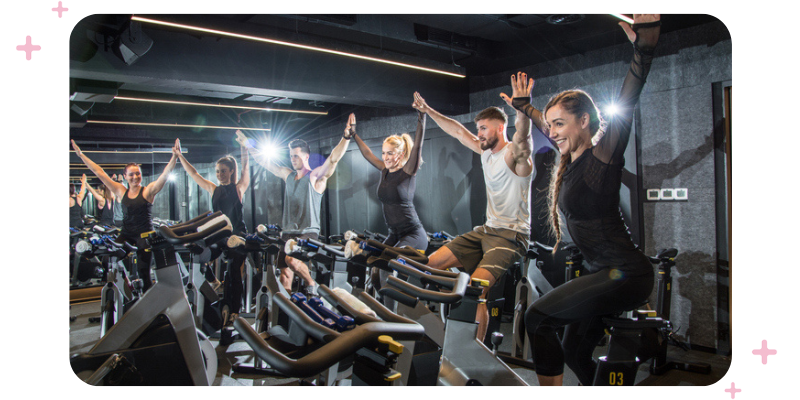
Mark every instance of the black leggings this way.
pixel 580 304
pixel 233 285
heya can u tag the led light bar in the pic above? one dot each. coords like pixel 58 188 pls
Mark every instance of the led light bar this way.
pixel 623 17
pixel 300 46
pixel 174 125
pixel 219 105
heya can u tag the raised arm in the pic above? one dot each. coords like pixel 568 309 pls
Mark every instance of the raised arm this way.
pixel 151 190
pixel 415 158
pixel 244 179
pixel 97 195
pixel 321 174
pixel 116 187
pixel 523 105
pixel 82 193
pixel 644 36
pixel 350 131
pixel 274 169
pixel 204 183
pixel 448 125
pixel 519 156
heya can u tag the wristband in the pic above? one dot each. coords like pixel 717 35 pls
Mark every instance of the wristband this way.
pixel 520 102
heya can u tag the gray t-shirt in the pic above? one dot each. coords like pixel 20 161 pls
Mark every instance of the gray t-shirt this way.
pixel 301 206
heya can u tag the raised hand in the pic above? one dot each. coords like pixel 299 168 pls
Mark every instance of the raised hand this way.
pixel 646 41
pixel 176 149
pixel 241 139
pixel 521 86
pixel 83 179
pixel 419 103
pixel 350 128
pixel 76 148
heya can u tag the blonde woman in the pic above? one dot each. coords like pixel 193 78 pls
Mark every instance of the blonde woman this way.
pixel 400 160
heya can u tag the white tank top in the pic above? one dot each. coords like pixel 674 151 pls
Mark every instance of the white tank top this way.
pixel 508 195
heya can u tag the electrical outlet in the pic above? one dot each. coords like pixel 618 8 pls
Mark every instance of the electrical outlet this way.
pixel 681 194
pixel 667 194
pixel 653 194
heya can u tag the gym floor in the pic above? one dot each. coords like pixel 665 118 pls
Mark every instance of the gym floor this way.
pixel 83 335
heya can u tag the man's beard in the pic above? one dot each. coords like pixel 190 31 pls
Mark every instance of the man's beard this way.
pixel 489 143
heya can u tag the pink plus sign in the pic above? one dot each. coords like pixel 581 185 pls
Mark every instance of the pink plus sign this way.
pixel 733 390
pixel 28 48
pixel 764 352
pixel 60 9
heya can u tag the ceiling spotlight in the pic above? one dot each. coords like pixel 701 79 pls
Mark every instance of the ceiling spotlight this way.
pixel 564 19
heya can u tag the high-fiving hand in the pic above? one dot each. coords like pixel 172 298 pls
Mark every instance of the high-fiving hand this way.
pixel 350 128
pixel 521 86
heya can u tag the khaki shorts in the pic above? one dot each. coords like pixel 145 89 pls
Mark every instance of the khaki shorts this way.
pixel 493 249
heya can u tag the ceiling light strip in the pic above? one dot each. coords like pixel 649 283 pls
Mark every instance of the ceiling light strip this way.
pixel 175 125
pixel 125 151
pixel 623 17
pixel 188 103
pixel 300 46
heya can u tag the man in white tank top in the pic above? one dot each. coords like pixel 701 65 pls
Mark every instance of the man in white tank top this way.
pixel 507 172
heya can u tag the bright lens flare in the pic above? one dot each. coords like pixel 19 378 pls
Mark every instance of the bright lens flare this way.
pixel 611 110
pixel 268 150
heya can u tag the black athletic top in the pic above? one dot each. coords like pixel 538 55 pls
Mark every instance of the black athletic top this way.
pixel 138 217
pixel 589 196
pixel 396 193
pixel 76 215
pixel 107 213
pixel 226 199
pixel 396 189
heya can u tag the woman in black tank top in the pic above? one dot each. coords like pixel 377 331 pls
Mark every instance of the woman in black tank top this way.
pixel 75 204
pixel 400 160
pixel 137 201
pixel 585 188
pixel 227 197
pixel 105 204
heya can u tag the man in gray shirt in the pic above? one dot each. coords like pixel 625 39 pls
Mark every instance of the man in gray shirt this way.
pixel 301 202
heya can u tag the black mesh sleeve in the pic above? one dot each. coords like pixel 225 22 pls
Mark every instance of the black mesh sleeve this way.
pixel 611 147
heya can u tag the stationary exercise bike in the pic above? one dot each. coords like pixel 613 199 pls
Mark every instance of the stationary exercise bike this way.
pixel 156 342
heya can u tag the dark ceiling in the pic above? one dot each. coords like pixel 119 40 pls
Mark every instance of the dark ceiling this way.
pixel 210 68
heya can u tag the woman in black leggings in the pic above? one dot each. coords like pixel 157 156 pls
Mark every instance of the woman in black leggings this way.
pixel 585 187
pixel 137 202
pixel 400 160
pixel 227 197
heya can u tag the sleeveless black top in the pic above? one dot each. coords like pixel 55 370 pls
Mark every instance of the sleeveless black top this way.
pixel 76 215
pixel 226 199
pixel 396 193
pixel 138 214
pixel 107 213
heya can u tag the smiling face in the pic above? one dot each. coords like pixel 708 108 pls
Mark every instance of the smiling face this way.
pixel 570 132
pixel 133 175
pixel 224 174
pixel 392 156
pixel 489 131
